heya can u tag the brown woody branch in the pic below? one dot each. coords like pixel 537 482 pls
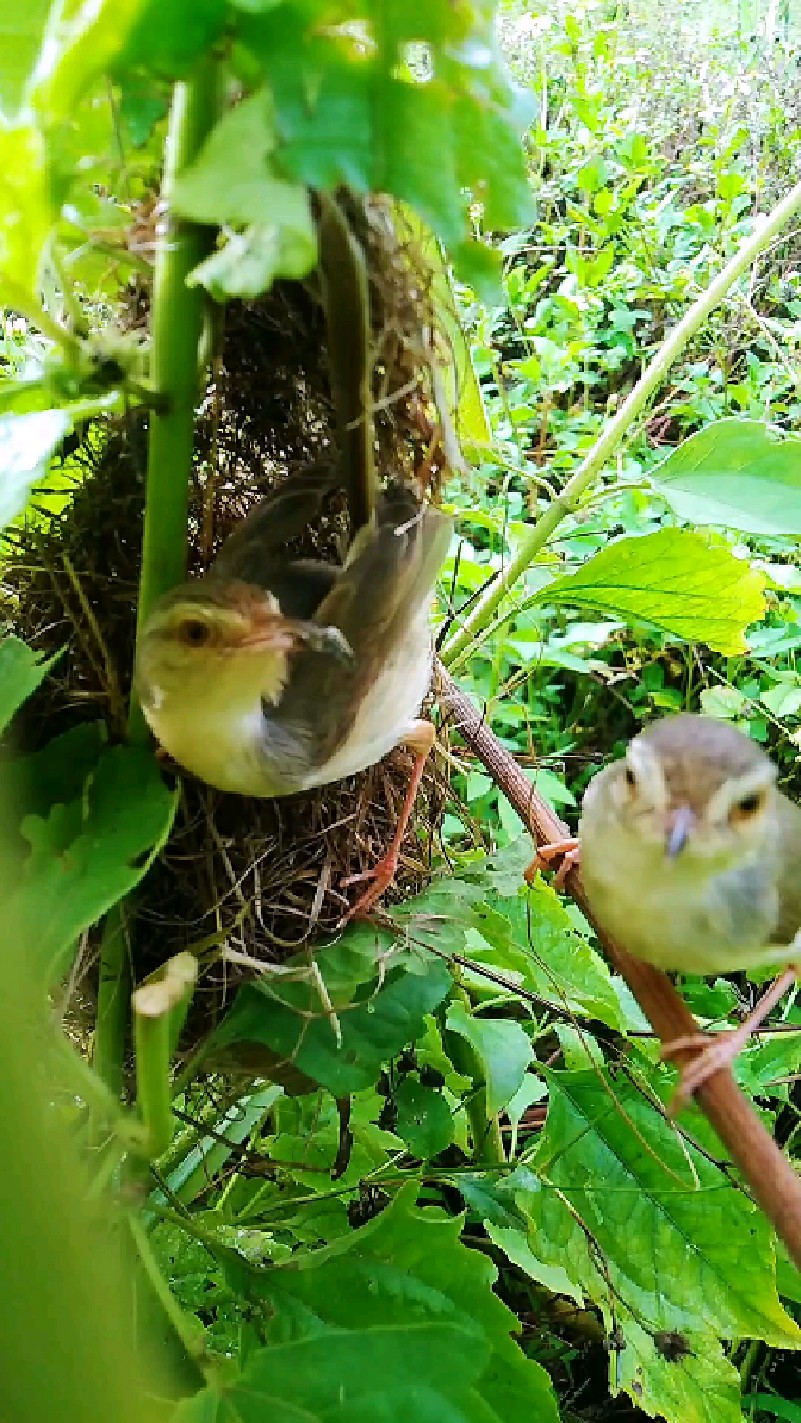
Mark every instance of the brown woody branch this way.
pixel 773 1182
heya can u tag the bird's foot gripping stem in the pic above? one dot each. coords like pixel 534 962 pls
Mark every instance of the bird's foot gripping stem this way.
pixel 715 1055
pixel 561 855
pixel 381 875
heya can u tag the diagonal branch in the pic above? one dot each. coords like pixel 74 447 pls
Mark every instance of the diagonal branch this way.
pixel 772 1180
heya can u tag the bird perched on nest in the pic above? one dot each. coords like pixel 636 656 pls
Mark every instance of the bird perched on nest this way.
pixel 691 858
pixel 272 675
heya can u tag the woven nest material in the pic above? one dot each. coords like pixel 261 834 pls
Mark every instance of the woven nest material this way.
pixel 261 876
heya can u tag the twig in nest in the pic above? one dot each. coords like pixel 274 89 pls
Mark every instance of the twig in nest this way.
pixel 771 1178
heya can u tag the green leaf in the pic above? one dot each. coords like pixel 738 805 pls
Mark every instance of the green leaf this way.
pixel 388 1374
pixel 698 1385
pixel 425 1122
pixel 232 179
pixel 202 1160
pixel 89 852
pixel 479 267
pixel 169 35
pixel 26 218
pixel 530 936
pixel 81 40
pixel 503 1047
pixel 26 444
pixel 775 1407
pixel 32 784
pixel 294 1023
pixel 736 473
pixel 347 117
pixel 674 579
pixel 21 671
pixel 667 1228
pixel 404 1273
pixel 20 37
pixel 249 262
pixel 515 1246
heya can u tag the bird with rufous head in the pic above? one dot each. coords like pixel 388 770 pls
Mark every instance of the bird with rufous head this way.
pixel 272 675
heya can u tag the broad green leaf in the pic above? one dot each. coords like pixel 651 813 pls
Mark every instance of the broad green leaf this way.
pixel 21 29
pixel 407 1270
pixel 21 671
pixel 28 440
pixel 674 579
pixel 30 785
pixel 168 36
pixel 514 1244
pixel 346 117
pixel 232 179
pixel 670 1229
pixel 209 1153
pixel 233 182
pixel 531 935
pixel 81 40
pixel 736 473
pixel 294 1023
pixel 425 1122
pixel 385 1374
pixel 250 262
pixel 88 853
pixel 26 218
pixel 503 1048
pixel 697 1384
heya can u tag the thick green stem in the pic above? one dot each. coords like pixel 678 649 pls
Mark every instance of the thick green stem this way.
pixel 177 320
pixel 177 324
pixel 160 1008
pixel 456 649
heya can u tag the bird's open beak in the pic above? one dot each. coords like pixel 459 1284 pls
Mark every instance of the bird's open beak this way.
pixel 679 828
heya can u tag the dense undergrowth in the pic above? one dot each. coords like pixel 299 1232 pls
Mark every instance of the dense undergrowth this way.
pixel 473 1208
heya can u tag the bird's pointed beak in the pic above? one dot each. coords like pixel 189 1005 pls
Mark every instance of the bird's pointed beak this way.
pixel 679 828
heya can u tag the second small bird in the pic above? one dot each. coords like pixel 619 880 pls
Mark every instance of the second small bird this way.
pixel 691 859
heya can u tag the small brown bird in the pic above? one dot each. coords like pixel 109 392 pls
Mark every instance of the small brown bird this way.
pixel 273 675
pixel 691 858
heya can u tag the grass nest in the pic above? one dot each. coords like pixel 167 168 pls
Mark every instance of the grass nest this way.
pixel 260 877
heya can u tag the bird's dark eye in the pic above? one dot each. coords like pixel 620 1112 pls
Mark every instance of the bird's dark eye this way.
pixel 631 779
pixel 194 632
pixel 748 807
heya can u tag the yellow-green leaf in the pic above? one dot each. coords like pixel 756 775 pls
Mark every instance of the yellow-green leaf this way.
pixel 677 580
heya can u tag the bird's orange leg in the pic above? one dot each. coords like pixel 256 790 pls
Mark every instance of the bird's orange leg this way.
pixel 721 1052
pixel 420 741
pixel 565 851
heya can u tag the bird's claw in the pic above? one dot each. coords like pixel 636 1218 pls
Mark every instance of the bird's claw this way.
pixel 711 1056
pixel 380 877
pixel 561 855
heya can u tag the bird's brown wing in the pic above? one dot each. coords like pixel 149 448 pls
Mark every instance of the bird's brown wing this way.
pixel 257 547
pixel 789 848
pixel 379 598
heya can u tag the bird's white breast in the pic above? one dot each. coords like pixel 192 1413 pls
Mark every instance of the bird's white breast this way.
pixel 388 711
pixel 675 914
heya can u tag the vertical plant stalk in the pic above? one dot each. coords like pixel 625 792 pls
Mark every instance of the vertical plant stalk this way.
pixel 484 1126
pixel 160 1007
pixel 346 302
pixel 458 647
pixel 176 325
